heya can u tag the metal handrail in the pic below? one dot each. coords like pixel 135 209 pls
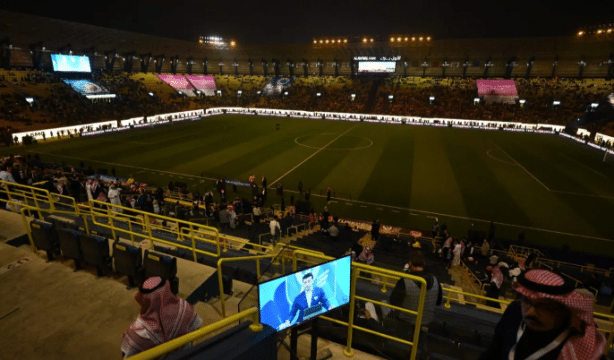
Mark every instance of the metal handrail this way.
pixel 182 341
pixel 242 258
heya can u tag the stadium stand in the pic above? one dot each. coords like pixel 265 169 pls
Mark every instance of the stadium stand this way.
pixel 185 231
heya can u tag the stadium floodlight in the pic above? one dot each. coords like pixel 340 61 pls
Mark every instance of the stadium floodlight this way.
pixel 30 100
pixel 239 92
pixel 318 94
pixel 390 97
pixel 371 39
pixel 258 92
pixel 315 41
pixel 345 41
pixel 151 94
pixel 364 40
pixel 420 38
pixel 391 39
pixel 431 98
pixel 406 38
pixel 398 39
pixel 286 93
pixel 413 38
pixel 556 103
pixel 233 43
pixel 353 96
pixel 599 31
pixel 198 92
pixel 321 41
pixel 580 33
pixel 218 92
pixel 594 105
pixel 522 101
pixel 428 38
pixel 179 92
pixel 327 41
pixel 609 30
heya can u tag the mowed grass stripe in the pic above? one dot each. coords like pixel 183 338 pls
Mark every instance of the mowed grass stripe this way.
pixel 351 173
pixel 391 177
pixel 482 186
pixel 434 186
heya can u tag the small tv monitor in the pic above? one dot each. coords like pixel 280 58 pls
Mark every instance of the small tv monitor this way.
pixel 288 301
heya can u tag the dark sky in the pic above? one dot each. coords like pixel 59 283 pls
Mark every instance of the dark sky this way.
pixel 292 21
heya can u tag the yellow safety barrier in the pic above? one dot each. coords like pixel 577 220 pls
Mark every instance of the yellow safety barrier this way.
pixel 242 258
pixel 186 339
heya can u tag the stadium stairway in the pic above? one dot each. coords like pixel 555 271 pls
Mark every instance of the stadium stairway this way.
pixel 372 97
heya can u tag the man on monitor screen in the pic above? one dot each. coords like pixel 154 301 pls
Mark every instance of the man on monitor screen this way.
pixel 311 300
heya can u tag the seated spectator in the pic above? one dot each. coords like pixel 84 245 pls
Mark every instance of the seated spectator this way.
pixel 366 256
pixel 163 317
pixel 333 232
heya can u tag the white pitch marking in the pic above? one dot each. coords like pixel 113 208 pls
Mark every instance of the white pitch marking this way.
pixel 314 154
pixel 494 158
pixel 586 166
pixel 522 167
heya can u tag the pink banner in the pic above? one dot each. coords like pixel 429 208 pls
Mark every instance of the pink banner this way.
pixel 202 82
pixel 496 88
pixel 178 82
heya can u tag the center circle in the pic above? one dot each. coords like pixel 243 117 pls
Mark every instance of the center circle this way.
pixel 367 142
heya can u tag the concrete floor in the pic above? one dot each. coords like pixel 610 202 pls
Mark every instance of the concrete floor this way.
pixel 48 311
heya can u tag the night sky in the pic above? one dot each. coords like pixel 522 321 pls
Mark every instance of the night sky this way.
pixel 275 21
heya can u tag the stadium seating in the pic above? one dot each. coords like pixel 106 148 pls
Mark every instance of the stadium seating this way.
pixel 45 238
pixel 164 266
pixel 70 247
pixel 127 260
pixel 95 251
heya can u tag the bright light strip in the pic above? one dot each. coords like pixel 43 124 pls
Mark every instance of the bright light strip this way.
pixel 556 102
pixel 104 96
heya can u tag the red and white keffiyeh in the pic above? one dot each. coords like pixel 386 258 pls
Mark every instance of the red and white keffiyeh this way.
pixel 587 343
pixel 163 317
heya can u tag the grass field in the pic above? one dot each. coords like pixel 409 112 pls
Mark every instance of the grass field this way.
pixel 558 191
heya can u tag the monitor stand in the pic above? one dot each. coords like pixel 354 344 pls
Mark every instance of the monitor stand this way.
pixel 314 340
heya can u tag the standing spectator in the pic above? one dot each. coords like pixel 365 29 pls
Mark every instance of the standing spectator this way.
pixel 375 230
pixel 300 187
pixel 328 194
pixel 163 317
pixel 458 249
pixel 88 190
pixel 263 181
pixel 406 293
pixel 435 229
pixel 275 230
pixel 307 195
pixel 485 249
pixel 114 197
pixel 551 320
pixel 223 196
pixel 224 217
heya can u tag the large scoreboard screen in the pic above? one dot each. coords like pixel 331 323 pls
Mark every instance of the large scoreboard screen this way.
pixel 377 64
pixel 70 63
pixel 377 67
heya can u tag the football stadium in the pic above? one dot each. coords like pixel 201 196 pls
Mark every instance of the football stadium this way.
pixel 377 196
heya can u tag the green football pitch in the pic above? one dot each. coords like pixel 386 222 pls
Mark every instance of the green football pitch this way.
pixel 555 190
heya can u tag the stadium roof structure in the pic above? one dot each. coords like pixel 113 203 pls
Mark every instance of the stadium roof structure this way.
pixel 23 31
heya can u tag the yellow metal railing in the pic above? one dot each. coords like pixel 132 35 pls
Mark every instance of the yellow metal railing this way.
pixel 221 261
pixel 186 339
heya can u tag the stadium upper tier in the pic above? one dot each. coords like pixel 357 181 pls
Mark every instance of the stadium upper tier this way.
pixel 121 50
